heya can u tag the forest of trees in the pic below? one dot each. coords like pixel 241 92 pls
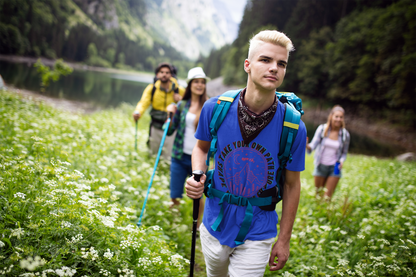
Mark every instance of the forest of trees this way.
pixel 84 31
pixel 358 53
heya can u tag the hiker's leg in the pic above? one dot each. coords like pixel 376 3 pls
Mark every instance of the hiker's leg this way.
pixel 167 147
pixel 178 174
pixel 250 258
pixel 320 174
pixel 155 139
pixel 175 202
pixel 216 255
pixel 331 185
pixel 319 182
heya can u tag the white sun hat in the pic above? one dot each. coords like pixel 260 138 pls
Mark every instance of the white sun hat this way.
pixel 197 72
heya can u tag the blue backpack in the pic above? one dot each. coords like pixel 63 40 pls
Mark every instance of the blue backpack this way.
pixel 267 199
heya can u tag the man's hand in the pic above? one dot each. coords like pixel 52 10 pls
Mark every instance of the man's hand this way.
pixel 136 115
pixel 195 189
pixel 279 256
pixel 177 97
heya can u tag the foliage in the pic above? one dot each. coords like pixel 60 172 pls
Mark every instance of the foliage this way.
pixel 71 190
pixel 376 65
pixel 360 54
pixel 368 229
pixel 60 68
pixel 66 29
pixel 94 59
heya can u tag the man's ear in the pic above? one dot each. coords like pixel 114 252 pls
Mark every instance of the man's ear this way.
pixel 247 66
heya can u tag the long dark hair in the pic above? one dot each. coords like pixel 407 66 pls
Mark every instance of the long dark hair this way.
pixel 202 98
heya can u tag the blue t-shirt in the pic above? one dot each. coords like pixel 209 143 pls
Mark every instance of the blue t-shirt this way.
pixel 244 169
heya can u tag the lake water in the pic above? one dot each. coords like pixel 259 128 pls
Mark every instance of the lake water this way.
pixel 104 90
pixel 100 89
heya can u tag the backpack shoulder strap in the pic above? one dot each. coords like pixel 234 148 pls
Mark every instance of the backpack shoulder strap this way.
pixel 218 114
pixel 289 131
pixel 153 92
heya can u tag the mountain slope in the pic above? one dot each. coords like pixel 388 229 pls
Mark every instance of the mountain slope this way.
pixel 191 27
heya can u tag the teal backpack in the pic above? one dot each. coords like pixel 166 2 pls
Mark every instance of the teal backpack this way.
pixel 267 199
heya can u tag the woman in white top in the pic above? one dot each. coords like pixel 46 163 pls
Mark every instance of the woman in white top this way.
pixel 331 141
pixel 185 121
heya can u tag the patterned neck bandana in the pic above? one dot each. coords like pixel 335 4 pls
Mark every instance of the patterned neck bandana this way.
pixel 251 124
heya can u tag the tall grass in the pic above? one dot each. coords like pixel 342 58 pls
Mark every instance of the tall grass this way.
pixel 71 190
pixel 72 187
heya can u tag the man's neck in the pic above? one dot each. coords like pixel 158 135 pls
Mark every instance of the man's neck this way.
pixel 166 86
pixel 258 100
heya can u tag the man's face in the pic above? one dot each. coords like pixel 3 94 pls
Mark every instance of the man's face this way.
pixel 267 66
pixel 164 74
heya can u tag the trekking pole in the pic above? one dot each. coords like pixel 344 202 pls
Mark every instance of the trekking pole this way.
pixel 197 176
pixel 166 125
pixel 135 138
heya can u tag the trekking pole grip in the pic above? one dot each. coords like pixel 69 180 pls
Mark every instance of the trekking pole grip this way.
pixel 197 177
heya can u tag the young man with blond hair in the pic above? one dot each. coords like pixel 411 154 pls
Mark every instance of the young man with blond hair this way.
pixel 246 162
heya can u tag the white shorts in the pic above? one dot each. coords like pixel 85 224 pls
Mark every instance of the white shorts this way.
pixel 248 259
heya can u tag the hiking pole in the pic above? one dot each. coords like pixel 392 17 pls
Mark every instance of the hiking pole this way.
pixel 135 138
pixel 166 125
pixel 197 176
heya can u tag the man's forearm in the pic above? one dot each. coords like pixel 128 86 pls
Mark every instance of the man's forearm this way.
pixel 199 157
pixel 290 204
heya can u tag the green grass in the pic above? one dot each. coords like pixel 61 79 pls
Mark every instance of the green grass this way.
pixel 72 188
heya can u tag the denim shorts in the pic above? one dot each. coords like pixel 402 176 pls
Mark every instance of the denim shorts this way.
pixel 325 171
pixel 179 171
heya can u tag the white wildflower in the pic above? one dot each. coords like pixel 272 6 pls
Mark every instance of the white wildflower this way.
pixel 75 239
pixel 342 262
pixel 325 228
pixel 65 271
pixel 104 272
pixel 20 195
pixel 108 254
pixel 288 274
pixel 78 173
pixel 156 228
pixel 31 263
pixel 66 224
pixel 90 254
pixel 2 244
pixel 17 233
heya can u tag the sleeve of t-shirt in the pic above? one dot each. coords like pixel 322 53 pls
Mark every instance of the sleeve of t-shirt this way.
pixel 202 132
pixel 298 150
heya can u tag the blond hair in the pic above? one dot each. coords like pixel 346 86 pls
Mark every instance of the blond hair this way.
pixel 268 36
pixel 336 108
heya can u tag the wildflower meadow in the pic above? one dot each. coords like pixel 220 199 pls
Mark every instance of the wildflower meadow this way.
pixel 72 187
